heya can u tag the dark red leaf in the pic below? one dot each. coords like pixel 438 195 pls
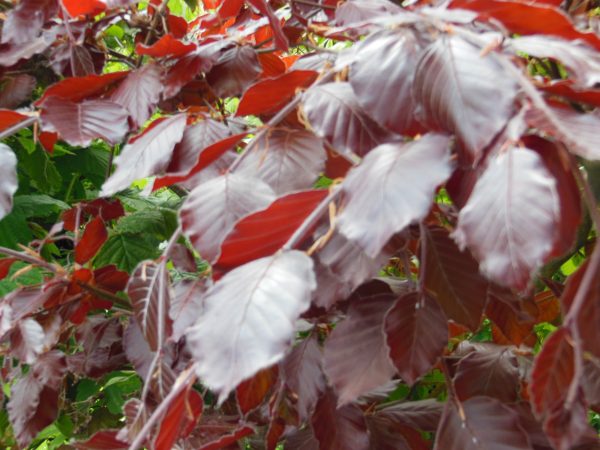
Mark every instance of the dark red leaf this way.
pixel 281 42
pixel 335 114
pixel 421 414
pixel 528 18
pixel 230 438
pixel 16 89
pixel 384 435
pixel 552 373
pixel 392 188
pixel 140 92
pixel 475 108
pixel 514 242
pixel 80 88
pixel 303 374
pixel 212 209
pixel 235 70
pixel 111 279
pixel 8 179
pixel 252 392
pixel 272 65
pixel 5 264
pixel 102 440
pixel 166 46
pixel 286 159
pixel 268 96
pixel 384 67
pixel 81 123
pixel 146 154
pixel 483 422
pixel 94 236
pixel 264 232
pixel 566 88
pixel 183 410
pixel 453 277
pixel 150 294
pixel 567 427
pixel 339 428
pixel 416 333
pixel 511 323
pixel 24 22
pixel 83 7
pixel 356 355
pixel 268 290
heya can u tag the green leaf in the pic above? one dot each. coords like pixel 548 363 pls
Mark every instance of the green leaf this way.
pixel 127 250
pixel 38 205
pixel 40 171
pixel 86 388
pixel 32 276
pixel 160 222
pixel 14 230
pixel 91 163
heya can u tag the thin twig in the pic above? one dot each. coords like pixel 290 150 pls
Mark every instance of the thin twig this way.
pixel 25 257
pixel 18 127
pixel 315 4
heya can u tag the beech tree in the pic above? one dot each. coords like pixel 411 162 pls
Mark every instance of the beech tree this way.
pixel 299 224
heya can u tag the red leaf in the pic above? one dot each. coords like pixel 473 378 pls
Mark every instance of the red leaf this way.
pixel 146 154
pixel 356 355
pixel 102 440
pixel 140 92
pixel 10 118
pixel 8 179
pixel 303 374
pixel 83 7
pixel 552 373
pixel 281 42
pixel 183 410
pixel 211 210
pixel 80 88
pixel 416 333
pixel 166 46
pixel 286 159
pixel 272 65
pixel 94 236
pixel 527 18
pixel 264 232
pixel 339 428
pixel 252 392
pixel 205 157
pixel 512 244
pixel 230 438
pixel 81 123
pixel 453 277
pixel 235 70
pixel 473 108
pixel 491 371
pixel 48 140
pixel 150 294
pixel 384 69
pixel 483 423
pixel 392 188
pixel 268 290
pixel 111 279
pixel 5 264
pixel 515 328
pixel 268 96
pixel 335 114
pixel 566 88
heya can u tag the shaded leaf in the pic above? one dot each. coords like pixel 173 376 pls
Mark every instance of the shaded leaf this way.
pixel 15 90
pixel 147 154
pixel 251 393
pixel 416 334
pixel 421 414
pixel 235 70
pixel 264 232
pixel 274 289
pixel 150 293
pixel 212 208
pixel 334 114
pixel 392 188
pixel 286 159
pixel 102 440
pixel 463 92
pixel 356 356
pixel 504 225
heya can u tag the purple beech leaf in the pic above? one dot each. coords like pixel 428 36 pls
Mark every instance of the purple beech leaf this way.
pixel 333 112
pixel 235 71
pixel 8 179
pixel 81 123
pixel 140 92
pixel 13 53
pixel 24 22
pixel 453 278
pixel 186 305
pixel 356 11
pixel 257 305
pixel 392 188
pixel 146 155
pixel 15 90
pixel 213 208
pixel 504 224
pixel 356 355
pixel 150 293
pixel 487 423
pixel 416 333
pixel 463 92
pixel 27 340
pixel 421 414
pixel 286 159
pixel 303 374
pixel 383 69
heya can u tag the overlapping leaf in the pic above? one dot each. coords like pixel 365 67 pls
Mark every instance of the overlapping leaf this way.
pixel 504 224
pixel 274 290
pixel 464 92
pixel 392 188
pixel 212 209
